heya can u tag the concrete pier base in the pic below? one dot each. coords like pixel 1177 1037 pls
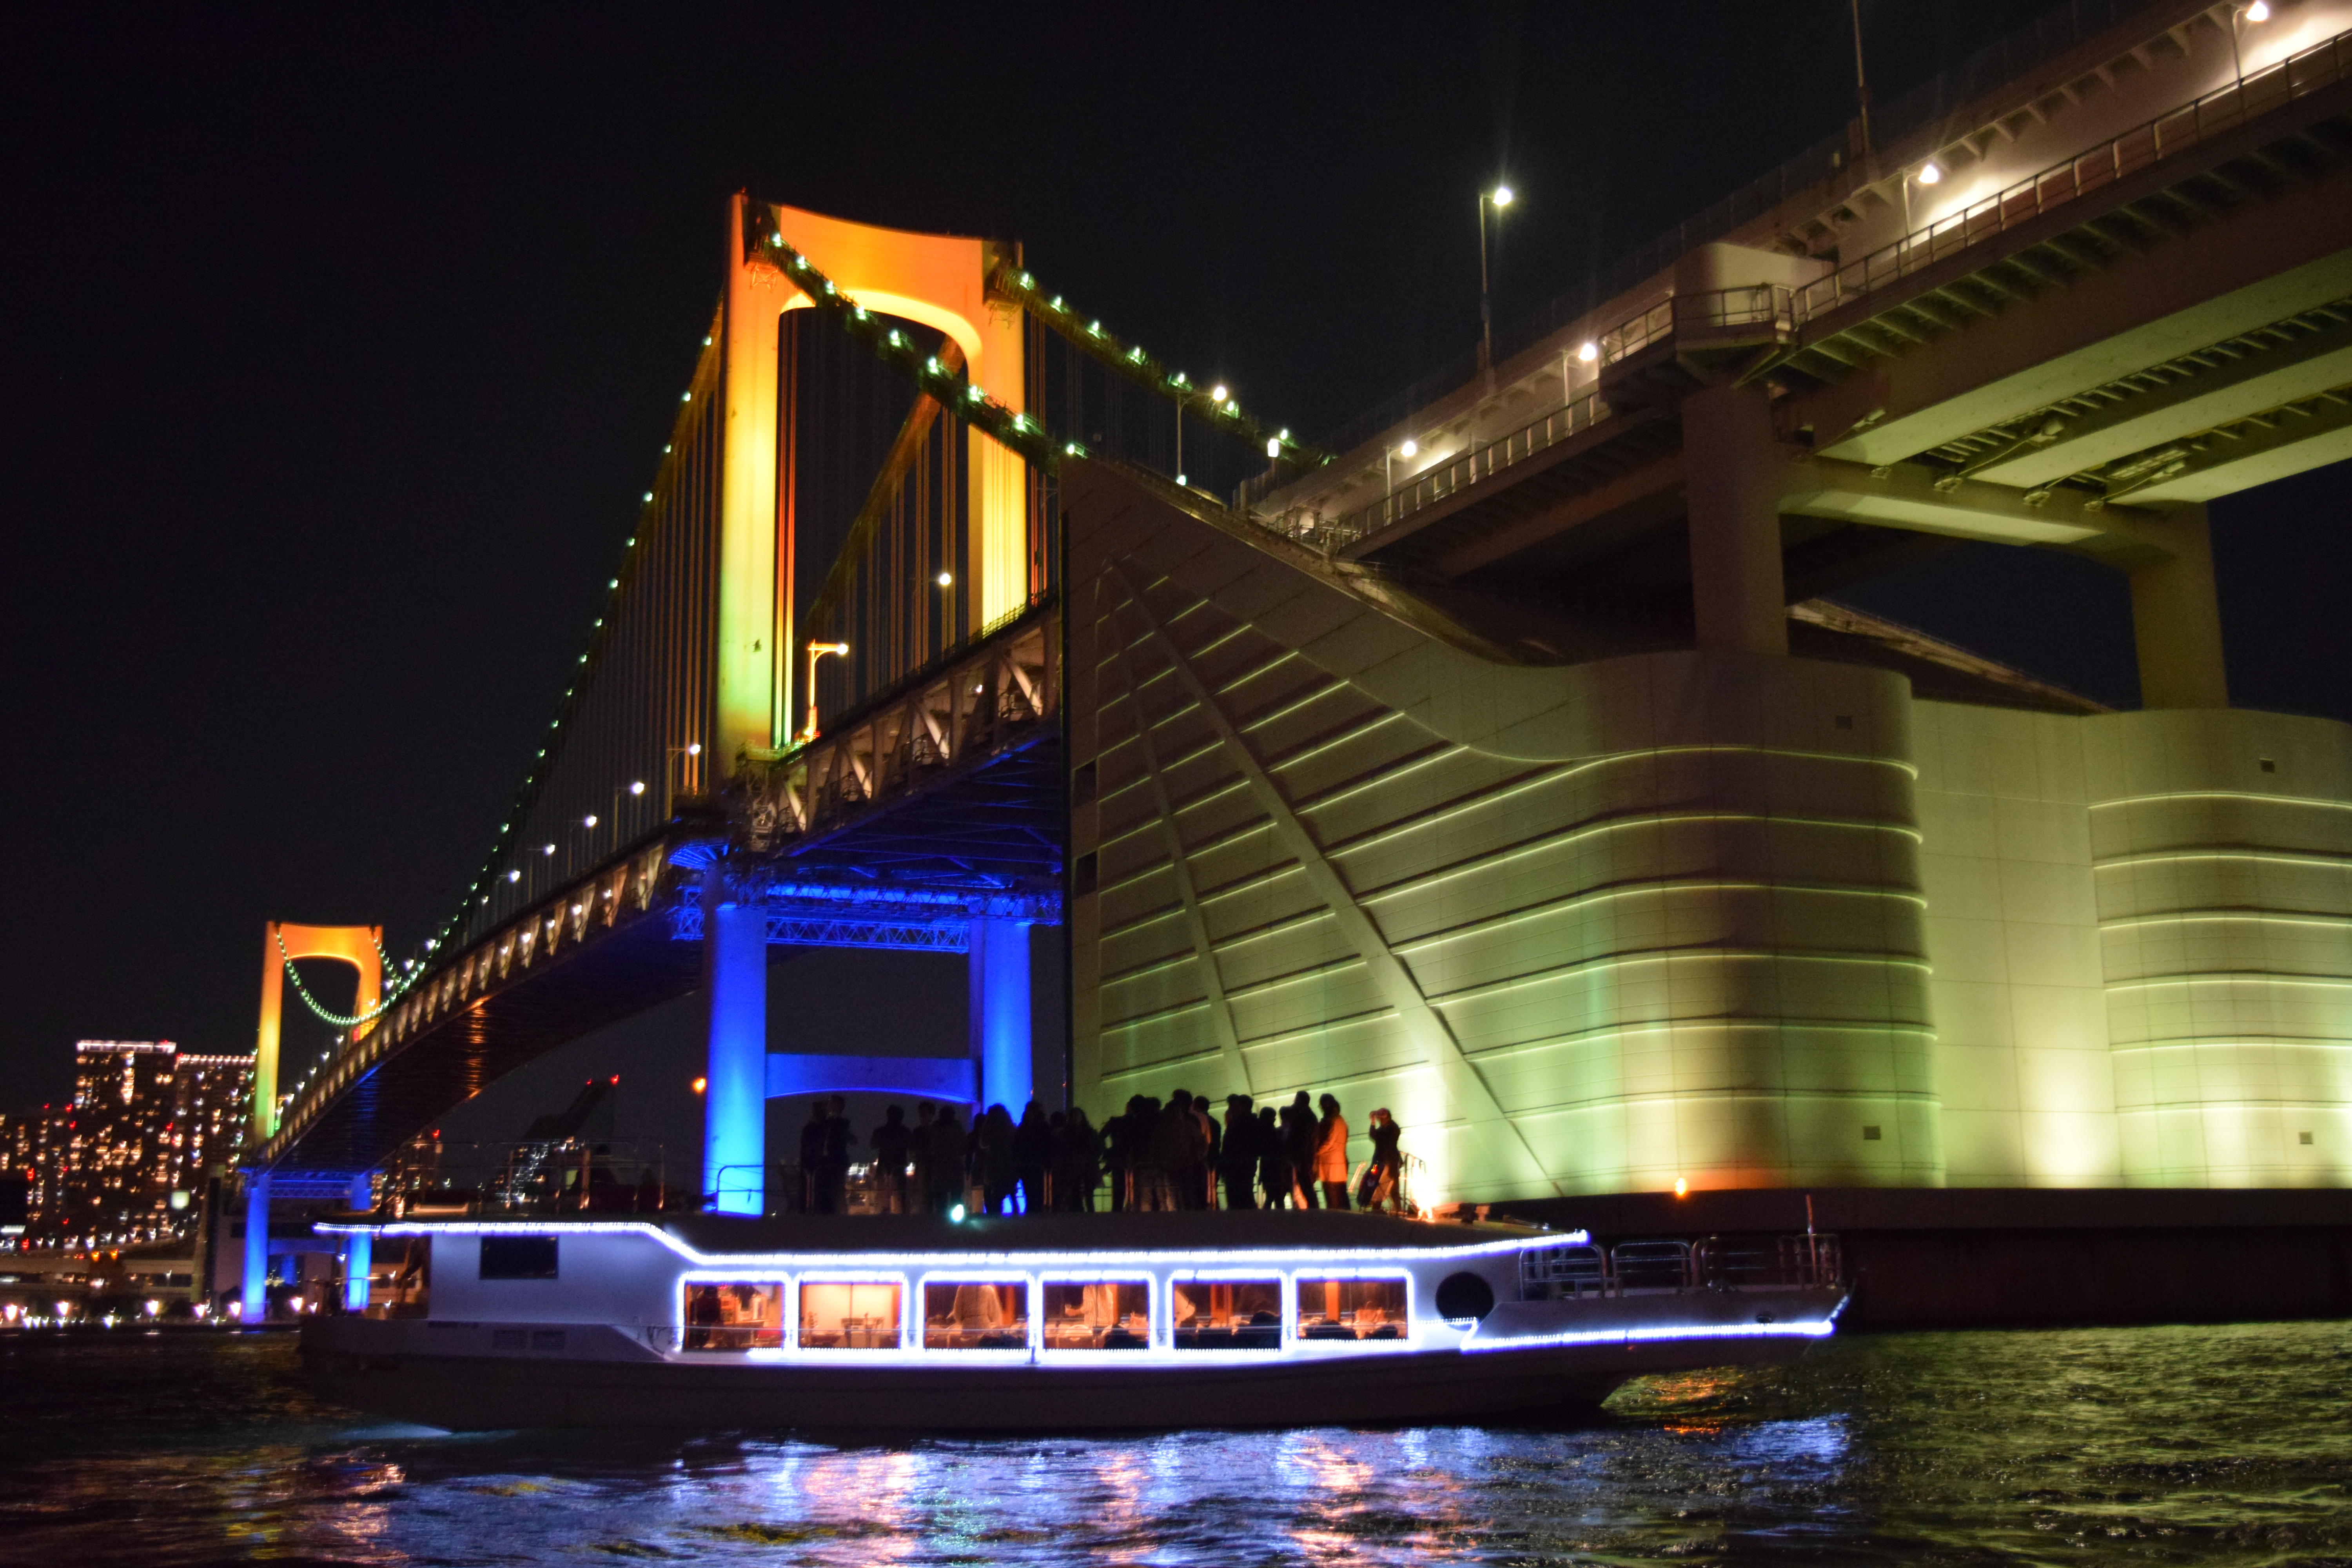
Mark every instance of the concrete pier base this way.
pixel 359 1251
pixel 735 1093
pixel 2021 1257
pixel 256 1290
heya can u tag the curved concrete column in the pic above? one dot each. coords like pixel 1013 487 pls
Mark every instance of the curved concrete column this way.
pixel 2221 841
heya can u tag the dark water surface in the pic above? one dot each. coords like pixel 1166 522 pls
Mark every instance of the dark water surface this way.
pixel 2155 1446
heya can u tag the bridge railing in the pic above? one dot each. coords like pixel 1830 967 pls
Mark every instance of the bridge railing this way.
pixel 2167 135
pixel 1723 316
pixel 1457 474
pixel 1711 318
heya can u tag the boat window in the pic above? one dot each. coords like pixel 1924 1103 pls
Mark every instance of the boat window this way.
pixel 411 1295
pixel 518 1257
pixel 1098 1315
pixel 976 1315
pixel 1227 1314
pixel 1352 1309
pixel 853 1315
pixel 726 1317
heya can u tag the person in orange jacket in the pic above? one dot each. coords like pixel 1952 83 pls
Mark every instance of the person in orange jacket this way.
pixel 1331 1153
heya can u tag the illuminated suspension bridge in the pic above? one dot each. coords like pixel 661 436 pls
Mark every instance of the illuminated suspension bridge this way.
pixel 1501 765
pixel 821 705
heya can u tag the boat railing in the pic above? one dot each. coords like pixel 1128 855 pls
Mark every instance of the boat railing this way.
pixel 1753 1262
pixel 1666 1265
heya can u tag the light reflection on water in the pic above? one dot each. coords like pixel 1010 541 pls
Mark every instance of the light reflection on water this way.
pixel 2163 1446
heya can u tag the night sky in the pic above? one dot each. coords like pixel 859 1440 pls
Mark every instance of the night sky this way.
pixel 340 343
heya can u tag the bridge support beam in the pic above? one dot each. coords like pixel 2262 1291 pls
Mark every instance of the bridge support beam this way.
pixel 359 1251
pixel 1733 484
pixel 256 1292
pixel 2177 619
pixel 999 971
pixel 735 1091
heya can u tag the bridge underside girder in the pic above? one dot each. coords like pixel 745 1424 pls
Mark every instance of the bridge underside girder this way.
pixel 2179 334
pixel 977 841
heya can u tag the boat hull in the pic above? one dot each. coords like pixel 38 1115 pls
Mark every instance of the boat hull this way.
pixel 440 1374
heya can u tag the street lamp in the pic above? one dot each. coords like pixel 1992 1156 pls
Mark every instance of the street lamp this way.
pixel 670 770
pixel 1496 199
pixel 2258 12
pixel 1408 447
pixel 817 650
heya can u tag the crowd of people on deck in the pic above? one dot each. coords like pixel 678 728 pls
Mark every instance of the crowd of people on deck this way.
pixel 1157 1154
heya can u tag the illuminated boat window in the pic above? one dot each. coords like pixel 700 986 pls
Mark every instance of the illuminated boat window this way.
pixel 976 1315
pixel 1226 1314
pixel 850 1315
pixel 1098 1315
pixel 731 1317
pixel 1352 1308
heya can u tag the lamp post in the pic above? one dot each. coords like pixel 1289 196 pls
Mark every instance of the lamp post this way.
pixel 2258 12
pixel 1496 199
pixel 1409 448
pixel 817 650
pixel 634 789
pixel 671 772
pixel 1861 82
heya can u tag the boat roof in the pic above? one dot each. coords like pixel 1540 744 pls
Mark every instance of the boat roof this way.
pixel 1205 1231
pixel 1199 1231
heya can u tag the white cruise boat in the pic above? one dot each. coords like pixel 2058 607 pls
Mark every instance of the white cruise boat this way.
pixel 1055 1322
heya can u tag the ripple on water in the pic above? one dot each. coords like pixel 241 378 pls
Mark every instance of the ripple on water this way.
pixel 2156 1446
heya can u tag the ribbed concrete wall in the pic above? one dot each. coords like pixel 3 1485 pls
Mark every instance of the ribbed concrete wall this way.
pixel 2224 845
pixel 1583 929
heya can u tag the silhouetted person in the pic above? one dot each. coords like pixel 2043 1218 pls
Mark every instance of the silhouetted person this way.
pixel 891 1141
pixel 1298 1135
pixel 1238 1154
pixel 812 1159
pixel 1118 1140
pixel 1076 1158
pixel 1181 1150
pixel 1382 1186
pixel 949 1150
pixel 918 1155
pixel 1273 1159
pixel 1032 1153
pixel 833 1183
pixel 992 1157
pixel 1331 1153
pixel 1167 1143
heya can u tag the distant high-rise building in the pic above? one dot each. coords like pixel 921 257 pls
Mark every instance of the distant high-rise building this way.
pixel 208 1111
pixel 125 1162
pixel 31 1150
pixel 119 1185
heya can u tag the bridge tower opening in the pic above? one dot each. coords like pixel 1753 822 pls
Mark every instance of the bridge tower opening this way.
pixel 937 281
pixel 284 944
